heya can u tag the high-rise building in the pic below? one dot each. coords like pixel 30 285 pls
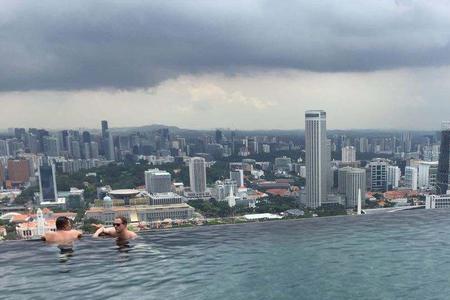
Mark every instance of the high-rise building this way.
pixel 377 169
pixel 158 181
pixel 63 139
pixel 51 146
pixel 355 183
pixel 426 174
pixel 75 149
pixel 348 154
pixel 104 129
pixel 393 177
pixel 19 170
pixel 342 179
pixel 238 177
pixel 315 156
pixel 2 175
pixel 47 183
pixel 406 141
pixel 197 174
pixel 442 185
pixel 411 178
pixel 4 148
pixel 363 145
pixel 94 150
pixel 219 136
pixel 111 155
pixel 87 150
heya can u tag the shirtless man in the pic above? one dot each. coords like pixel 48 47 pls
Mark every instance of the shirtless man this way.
pixel 64 236
pixel 120 230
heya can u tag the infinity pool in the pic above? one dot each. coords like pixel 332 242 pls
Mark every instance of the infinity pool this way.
pixel 403 255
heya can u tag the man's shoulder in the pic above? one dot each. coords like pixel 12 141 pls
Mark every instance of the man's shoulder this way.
pixel 50 234
pixel 132 234
pixel 76 233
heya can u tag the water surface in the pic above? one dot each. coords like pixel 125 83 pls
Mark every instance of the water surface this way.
pixel 402 255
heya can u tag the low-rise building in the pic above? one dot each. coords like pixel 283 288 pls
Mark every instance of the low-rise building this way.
pixel 33 226
pixel 141 208
pixel 437 201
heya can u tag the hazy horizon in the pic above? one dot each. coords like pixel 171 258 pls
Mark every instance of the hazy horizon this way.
pixel 5 130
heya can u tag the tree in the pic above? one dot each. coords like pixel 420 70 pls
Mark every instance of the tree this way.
pixel 27 195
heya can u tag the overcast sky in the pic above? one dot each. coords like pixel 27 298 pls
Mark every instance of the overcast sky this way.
pixel 235 64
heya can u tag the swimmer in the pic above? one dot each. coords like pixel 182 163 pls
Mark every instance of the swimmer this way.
pixel 120 230
pixel 64 236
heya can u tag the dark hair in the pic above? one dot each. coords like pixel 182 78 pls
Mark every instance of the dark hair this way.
pixel 123 219
pixel 62 222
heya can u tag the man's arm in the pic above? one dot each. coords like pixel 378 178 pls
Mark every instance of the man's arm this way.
pixel 103 230
pixel 47 237
pixel 99 231
pixel 78 234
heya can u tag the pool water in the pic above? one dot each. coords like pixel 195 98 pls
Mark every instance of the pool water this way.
pixel 402 255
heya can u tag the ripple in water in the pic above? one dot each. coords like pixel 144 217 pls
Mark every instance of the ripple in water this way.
pixel 390 256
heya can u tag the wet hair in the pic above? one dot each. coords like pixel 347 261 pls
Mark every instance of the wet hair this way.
pixel 123 219
pixel 62 222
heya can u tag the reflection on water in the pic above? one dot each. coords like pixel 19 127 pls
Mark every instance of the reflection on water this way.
pixel 392 256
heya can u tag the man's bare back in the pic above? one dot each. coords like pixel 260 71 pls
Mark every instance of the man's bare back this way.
pixel 64 235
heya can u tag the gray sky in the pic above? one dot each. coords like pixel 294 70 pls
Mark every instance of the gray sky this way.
pixel 238 64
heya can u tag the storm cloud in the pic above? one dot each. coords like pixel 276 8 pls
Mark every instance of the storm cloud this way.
pixel 79 45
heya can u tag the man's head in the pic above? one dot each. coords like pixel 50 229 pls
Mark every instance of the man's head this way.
pixel 120 223
pixel 63 223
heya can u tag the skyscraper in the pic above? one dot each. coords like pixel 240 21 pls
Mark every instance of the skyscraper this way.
pixel 51 145
pixel 411 178
pixel 443 166
pixel 197 174
pixel 94 150
pixel 377 169
pixel 47 183
pixel 158 181
pixel 355 184
pixel 219 136
pixel 2 175
pixel 111 155
pixel 75 149
pixel 315 155
pixel 393 177
pixel 4 148
pixel 104 129
pixel 238 177
pixel 348 154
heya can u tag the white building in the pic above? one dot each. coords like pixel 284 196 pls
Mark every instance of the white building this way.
pixel 437 201
pixel 165 198
pixel 142 211
pixel 158 181
pixel 393 176
pixel 348 154
pixel 197 174
pixel 355 186
pixel 411 178
pixel 427 171
pixel 315 155
pixel 238 177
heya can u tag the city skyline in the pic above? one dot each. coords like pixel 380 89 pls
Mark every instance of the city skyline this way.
pixel 380 64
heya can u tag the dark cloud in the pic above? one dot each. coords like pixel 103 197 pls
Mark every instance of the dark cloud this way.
pixel 130 44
